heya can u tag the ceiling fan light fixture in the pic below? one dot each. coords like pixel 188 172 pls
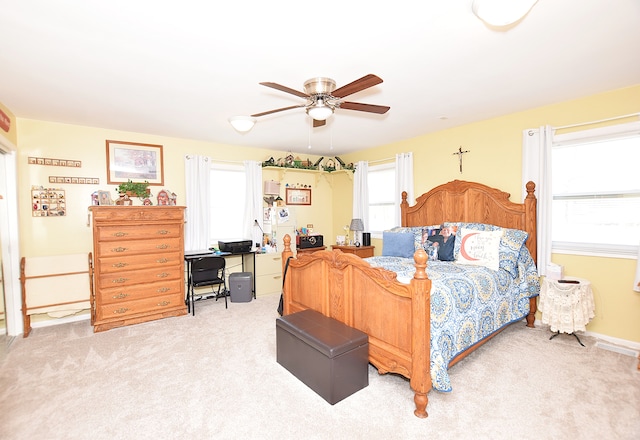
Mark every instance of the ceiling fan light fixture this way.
pixel 499 13
pixel 319 111
pixel 242 124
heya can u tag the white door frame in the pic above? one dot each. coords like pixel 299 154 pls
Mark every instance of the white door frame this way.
pixel 9 236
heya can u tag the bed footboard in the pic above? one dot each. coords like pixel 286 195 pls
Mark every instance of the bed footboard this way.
pixel 396 316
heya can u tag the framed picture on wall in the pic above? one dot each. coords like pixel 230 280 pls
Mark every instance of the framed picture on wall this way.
pixel 298 196
pixel 136 162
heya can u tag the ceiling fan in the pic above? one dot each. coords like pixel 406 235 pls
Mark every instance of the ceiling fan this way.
pixel 323 97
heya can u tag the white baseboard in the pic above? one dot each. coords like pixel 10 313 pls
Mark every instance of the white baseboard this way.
pixel 65 320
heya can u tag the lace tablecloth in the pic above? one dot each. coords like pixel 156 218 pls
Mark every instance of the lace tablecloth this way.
pixel 566 307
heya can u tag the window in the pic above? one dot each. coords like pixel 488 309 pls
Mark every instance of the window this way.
pixel 596 191
pixel 228 193
pixel 381 187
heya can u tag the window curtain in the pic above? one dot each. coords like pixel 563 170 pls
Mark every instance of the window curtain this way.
pixel 361 193
pixel 253 201
pixel 198 194
pixel 404 182
pixel 536 167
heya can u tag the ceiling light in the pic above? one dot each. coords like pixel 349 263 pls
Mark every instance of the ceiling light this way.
pixel 242 124
pixel 319 111
pixel 501 12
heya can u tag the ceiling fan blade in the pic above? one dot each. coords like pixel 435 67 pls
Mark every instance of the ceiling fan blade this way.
pixel 317 123
pixel 257 115
pixel 370 108
pixel 284 89
pixel 360 84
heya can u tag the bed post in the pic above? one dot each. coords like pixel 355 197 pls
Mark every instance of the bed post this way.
pixel 404 205
pixel 420 334
pixel 286 253
pixel 531 214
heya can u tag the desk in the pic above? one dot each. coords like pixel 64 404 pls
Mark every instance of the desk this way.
pixel 248 263
pixel 566 307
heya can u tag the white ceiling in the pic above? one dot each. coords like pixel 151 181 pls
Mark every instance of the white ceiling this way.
pixel 181 69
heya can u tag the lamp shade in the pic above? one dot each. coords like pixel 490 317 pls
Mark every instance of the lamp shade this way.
pixel 242 124
pixel 356 225
pixel 501 12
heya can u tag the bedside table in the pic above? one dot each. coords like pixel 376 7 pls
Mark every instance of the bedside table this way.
pixel 313 249
pixel 360 251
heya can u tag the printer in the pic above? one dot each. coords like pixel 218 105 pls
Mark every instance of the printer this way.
pixel 236 246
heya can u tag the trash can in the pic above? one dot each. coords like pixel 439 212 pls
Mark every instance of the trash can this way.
pixel 240 287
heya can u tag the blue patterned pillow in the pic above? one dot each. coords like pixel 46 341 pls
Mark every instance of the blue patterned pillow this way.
pixel 398 244
pixel 510 244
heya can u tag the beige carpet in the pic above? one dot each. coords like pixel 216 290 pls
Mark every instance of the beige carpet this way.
pixel 215 376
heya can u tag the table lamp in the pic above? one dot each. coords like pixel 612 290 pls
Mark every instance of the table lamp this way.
pixel 357 226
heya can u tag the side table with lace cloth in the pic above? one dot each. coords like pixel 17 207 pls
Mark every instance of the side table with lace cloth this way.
pixel 566 307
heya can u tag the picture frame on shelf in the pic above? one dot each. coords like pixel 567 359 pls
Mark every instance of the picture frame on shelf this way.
pixel 298 196
pixel 134 161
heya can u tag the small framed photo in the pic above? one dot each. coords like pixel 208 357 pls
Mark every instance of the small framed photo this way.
pixel 136 162
pixel 298 196
pixel 104 198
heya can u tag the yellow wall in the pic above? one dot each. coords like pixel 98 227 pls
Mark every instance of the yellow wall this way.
pixel 495 160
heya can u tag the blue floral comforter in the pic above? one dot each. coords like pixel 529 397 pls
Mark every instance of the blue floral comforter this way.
pixel 468 303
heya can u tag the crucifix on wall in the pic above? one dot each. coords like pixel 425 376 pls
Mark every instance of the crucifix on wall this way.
pixel 460 153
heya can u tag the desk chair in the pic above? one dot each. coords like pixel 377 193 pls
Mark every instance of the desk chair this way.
pixel 208 271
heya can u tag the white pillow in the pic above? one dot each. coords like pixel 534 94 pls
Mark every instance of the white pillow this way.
pixel 480 248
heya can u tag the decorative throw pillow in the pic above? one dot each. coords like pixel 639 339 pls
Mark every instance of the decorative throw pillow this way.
pixel 479 248
pixel 398 244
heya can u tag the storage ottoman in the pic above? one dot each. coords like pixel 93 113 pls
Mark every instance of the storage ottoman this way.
pixel 328 356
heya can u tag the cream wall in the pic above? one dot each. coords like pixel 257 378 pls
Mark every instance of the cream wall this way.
pixel 495 160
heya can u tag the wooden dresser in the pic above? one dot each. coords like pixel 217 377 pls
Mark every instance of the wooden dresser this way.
pixel 138 271
pixel 360 251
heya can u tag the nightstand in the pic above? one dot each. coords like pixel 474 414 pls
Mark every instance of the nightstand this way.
pixel 566 307
pixel 306 250
pixel 360 251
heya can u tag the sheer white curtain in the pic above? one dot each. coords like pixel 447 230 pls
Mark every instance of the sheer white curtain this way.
pixel 536 166
pixel 361 193
pixel 404 182
pixel 197 186
pixel 253 201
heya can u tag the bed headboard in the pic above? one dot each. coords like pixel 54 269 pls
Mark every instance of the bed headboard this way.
pixel 461 201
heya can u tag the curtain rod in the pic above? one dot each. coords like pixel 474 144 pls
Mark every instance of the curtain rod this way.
pixel 597 122
pixel 381 160
pixel 240 162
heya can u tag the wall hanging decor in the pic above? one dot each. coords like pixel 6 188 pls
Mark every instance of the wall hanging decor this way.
pixel 132 161
pixel 48 202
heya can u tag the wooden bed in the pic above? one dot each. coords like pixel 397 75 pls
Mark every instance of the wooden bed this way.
pixel 396 316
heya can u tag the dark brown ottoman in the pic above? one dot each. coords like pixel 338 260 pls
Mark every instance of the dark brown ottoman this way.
pixel 328 356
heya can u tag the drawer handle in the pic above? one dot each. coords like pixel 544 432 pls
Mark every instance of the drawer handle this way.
pixel 164 303
pixel 163 232
pixel 277 277
pixel 120 264
pixel 120 280
pixel 120 296
pixel 163 275
pixel 162 246
pixel 119 249
pixel 162 260
pixel 163 289
pixel 120 234
pixel 120 311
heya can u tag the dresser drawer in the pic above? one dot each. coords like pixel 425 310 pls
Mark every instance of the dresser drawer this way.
pixel 143 276
pixel 135 262
pixel 157 304
pixel 122 294
pixel 132 247
pixel 126 232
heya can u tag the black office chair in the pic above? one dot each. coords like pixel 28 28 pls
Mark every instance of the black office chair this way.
pixel 208 271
